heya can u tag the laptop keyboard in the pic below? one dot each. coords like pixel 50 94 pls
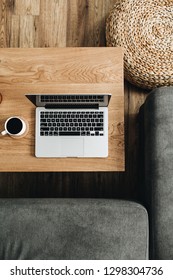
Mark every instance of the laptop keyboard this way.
pixel 71 123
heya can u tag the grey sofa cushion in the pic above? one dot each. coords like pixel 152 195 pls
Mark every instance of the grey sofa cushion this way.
pixel 72 229
pixel 158 142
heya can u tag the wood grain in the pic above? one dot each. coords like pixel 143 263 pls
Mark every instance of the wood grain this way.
pixel 63 70
pixel 27 7
pixel 78 66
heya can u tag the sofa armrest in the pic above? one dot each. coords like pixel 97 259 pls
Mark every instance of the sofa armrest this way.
pixel 72 229
pixel 157 123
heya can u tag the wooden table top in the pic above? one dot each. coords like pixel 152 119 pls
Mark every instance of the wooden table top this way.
pixel 59 70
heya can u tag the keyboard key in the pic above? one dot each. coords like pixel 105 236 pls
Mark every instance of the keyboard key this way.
pixel 69 133
pixel 43 124
pixel 44 129
pixel 98 128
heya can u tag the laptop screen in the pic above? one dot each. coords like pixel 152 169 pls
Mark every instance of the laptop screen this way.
pixel 42 100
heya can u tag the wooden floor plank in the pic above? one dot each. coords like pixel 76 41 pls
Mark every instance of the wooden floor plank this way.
pixel 95 24
pixel 26 31
pixel 86 22
pixel 76 17
pixel 3 26
pixel 53 23
pixel 14 34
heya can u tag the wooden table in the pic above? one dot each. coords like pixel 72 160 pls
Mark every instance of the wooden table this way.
pixel 59 70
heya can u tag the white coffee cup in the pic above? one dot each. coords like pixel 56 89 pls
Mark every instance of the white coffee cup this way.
pixel 15 127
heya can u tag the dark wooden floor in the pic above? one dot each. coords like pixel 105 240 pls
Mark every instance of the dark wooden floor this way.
pixel 69 23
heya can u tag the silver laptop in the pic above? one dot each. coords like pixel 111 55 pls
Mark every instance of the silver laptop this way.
pixel 71 125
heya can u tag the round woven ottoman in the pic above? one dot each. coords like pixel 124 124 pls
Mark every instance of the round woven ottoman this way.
pixel 144 28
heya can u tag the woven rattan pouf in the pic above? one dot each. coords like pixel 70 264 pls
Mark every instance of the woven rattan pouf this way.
pixel 145 29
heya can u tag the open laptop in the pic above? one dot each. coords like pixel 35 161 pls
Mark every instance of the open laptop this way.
pixel 71 125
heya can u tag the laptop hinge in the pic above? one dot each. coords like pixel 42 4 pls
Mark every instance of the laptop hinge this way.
pixel 72 106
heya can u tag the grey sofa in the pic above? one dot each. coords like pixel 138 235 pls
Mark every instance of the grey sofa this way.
pixel 156 123
pixel 103 228
pixel 72 229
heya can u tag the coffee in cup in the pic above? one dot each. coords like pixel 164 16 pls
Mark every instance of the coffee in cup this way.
pixel 15 127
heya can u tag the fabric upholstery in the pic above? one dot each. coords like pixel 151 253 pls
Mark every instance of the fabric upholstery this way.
pixel 158 158
pixel 72 229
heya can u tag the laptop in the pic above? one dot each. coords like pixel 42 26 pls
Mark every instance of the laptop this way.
pixel 71 125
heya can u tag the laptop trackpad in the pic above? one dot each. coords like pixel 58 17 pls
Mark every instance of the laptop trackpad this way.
pixel 71 147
